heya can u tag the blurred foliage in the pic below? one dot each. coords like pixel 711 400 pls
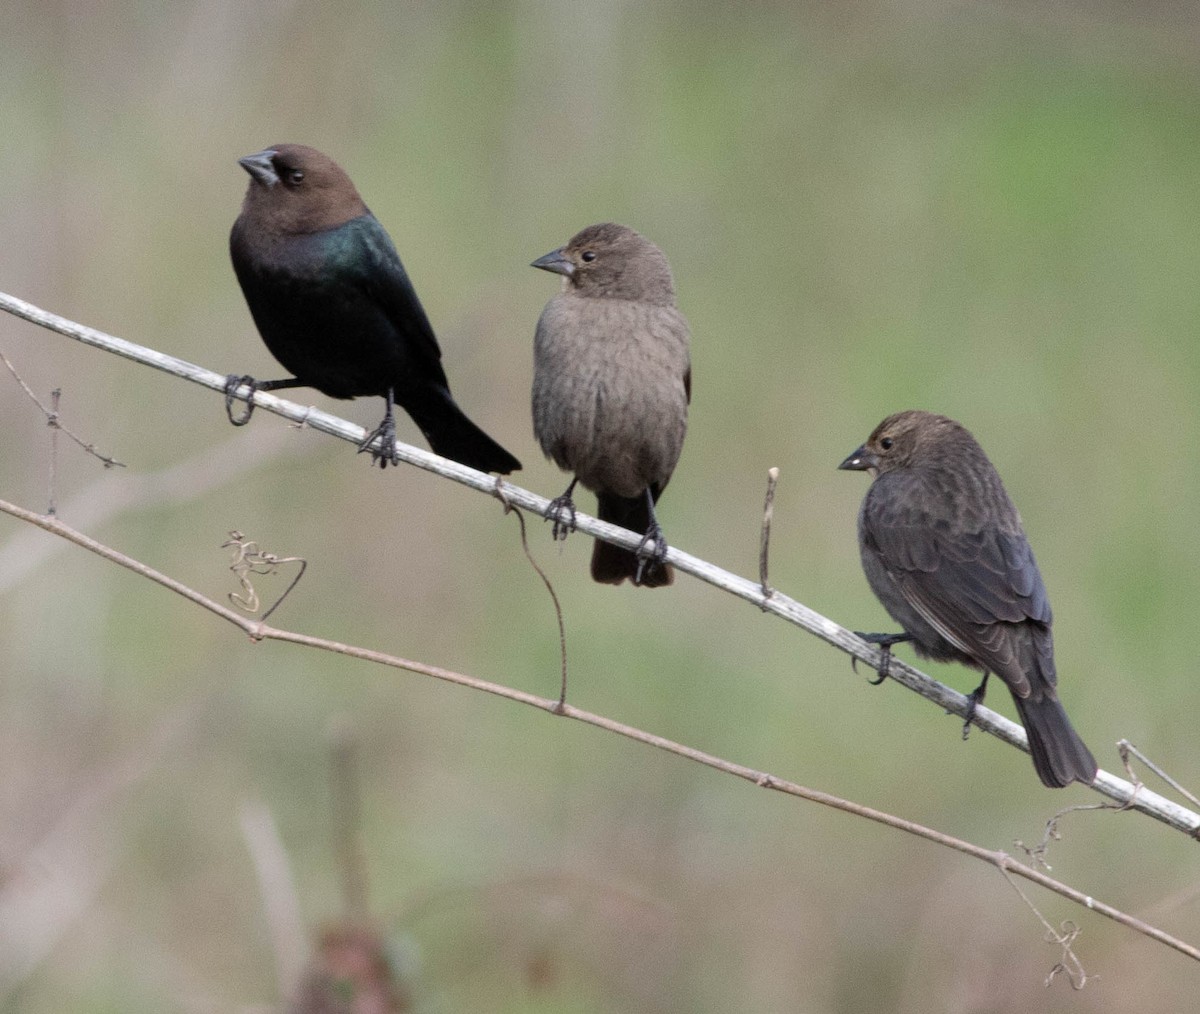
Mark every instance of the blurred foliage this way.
pixel 981 209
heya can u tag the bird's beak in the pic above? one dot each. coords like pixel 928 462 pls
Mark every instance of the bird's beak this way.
pixel 555 261
pixel 860 460
pixel 260 166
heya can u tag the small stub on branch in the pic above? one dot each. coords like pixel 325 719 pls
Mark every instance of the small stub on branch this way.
pixel 1127 750
pixel 765 541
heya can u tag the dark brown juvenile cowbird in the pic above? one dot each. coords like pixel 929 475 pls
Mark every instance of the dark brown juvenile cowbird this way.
pixel 611 384
pixel 944 550
pixel 334 305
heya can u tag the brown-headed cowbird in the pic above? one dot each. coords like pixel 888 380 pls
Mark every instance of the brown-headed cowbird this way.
pixel 945 552
pixel 334 305
pixel 612 380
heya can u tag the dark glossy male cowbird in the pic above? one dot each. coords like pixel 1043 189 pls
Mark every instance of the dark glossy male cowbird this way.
pixel 334 305
pixel 944 550
pixel 611 385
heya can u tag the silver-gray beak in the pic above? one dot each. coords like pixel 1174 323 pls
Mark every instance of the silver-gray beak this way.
pixel 261 167
pixel 555 261
pixel 860 460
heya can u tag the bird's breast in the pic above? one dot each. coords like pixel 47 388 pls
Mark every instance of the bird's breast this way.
pixel 609 401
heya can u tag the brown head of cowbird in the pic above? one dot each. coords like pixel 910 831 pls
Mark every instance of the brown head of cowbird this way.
pixel 945 552
pixel 611 385
pixel 334 305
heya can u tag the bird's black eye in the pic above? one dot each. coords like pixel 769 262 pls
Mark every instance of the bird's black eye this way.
pixel 589 255
pixel 295 177
pixel 886 443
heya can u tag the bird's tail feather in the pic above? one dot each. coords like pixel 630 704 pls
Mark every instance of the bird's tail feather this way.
pixel 1059 755
pixel 452 435
pixel 611 564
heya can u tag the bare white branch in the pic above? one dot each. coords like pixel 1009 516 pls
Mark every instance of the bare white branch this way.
pixel 1123 792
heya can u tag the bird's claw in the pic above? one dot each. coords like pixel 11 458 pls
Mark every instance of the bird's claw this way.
pixel 383 452
pixel 885 660
pixel 232 383
pixel 972 704
pixel 885 666
pixel 884 643
pixel 650 560
pixel 561 510
pixel 974 698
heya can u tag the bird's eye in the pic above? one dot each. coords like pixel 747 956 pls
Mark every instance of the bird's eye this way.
pixel 295 176
pixel 886 443
pixel 589 255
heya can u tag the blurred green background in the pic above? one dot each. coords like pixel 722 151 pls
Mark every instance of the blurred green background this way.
pixel 983 209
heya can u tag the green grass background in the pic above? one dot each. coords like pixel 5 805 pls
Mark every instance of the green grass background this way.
pixel 988 210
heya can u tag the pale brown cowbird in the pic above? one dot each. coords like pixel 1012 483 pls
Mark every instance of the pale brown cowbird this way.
pixel 611 385
pixel 945 552
pixel 334 305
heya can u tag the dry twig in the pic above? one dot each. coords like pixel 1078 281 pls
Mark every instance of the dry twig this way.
pixel 558 613
pixel 53 420
pixel 764 548
pixel 260 631
pixel 249 559
pixel 1127 750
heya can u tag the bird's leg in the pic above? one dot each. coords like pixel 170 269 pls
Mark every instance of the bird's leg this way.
pixel 974 699
pixel 385 433
pixel 884 643
pixel 561 510
pixel 233 382
pixel 647 560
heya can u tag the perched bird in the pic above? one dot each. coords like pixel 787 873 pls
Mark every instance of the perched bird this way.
pixel 334 305
pixel 945 552
pixel 612 380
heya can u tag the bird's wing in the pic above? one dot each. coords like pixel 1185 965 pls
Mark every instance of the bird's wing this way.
pixel 383 276
pixel 974 586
